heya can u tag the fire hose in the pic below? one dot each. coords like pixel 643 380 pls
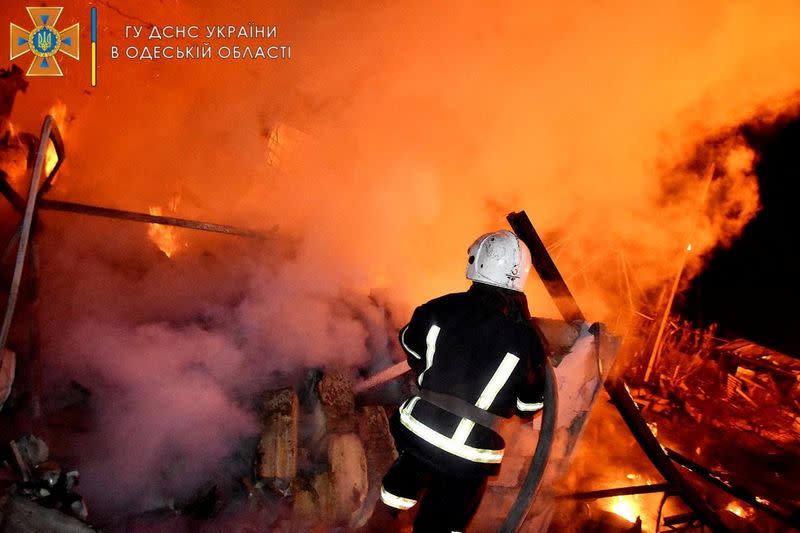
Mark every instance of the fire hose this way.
pixel 541 456
pixel 544 445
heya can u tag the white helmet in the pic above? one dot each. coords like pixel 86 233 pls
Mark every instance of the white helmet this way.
pixel 500 259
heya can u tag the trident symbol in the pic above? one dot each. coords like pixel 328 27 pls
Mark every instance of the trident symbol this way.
pixel 44 41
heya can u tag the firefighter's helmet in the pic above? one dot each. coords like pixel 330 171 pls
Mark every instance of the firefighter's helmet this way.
pixel 500 259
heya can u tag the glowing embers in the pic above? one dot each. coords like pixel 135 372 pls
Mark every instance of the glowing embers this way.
pixel 634 506
pixel 626 506
pixel 742 511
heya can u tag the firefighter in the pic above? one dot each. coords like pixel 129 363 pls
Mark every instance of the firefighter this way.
pixel 477 359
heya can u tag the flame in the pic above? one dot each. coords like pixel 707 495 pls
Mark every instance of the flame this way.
pixel 13 157
pixel 166 237
pixel 626 507
pixel 59 114
pixel 739 510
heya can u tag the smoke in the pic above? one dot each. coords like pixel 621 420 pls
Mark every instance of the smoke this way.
pixel 396 134
pixel 175 353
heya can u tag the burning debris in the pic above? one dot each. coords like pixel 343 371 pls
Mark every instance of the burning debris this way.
pixel 166 238
pixel 750 387
pixel 350 180
pixel 706 392
pixel 38 493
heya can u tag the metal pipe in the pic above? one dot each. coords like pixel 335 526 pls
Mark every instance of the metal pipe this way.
pixel 707 177
pixel 25 232
pixel 654 355
pixel 91 210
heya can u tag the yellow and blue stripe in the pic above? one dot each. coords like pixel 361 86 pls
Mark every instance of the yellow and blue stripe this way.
pixel 94 47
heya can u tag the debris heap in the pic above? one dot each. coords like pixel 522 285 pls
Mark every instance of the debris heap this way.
pixel 38 493
pixel 322 454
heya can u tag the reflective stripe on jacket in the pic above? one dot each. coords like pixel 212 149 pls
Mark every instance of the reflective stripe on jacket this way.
pixel 466 345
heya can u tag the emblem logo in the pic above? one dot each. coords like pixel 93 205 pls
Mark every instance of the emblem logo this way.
pixel 44 41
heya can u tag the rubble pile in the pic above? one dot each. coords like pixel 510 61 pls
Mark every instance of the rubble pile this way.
pixel 38 494
pixel 709 391
pixel 321 454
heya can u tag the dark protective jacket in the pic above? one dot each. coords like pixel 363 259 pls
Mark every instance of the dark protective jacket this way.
pixel 479 346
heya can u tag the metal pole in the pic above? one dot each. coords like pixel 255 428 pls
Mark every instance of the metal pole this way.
pixel 25 232
pixel 665 318
pixel 709 175
pixel 91 210
pixel 36 366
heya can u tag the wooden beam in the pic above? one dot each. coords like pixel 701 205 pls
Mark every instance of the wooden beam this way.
pixel 619 491
pixel 106 212
pixel 545 267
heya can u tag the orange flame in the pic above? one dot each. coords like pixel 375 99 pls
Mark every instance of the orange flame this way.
pixel 166 238
pixel 59 114
pixel 626 507
pixel 739 510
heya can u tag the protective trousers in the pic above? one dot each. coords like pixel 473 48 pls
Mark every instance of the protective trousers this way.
pixel 446 503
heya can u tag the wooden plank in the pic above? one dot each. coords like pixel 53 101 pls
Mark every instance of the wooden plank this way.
pixel 277 449
pixel 545 267
pixel 620 491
